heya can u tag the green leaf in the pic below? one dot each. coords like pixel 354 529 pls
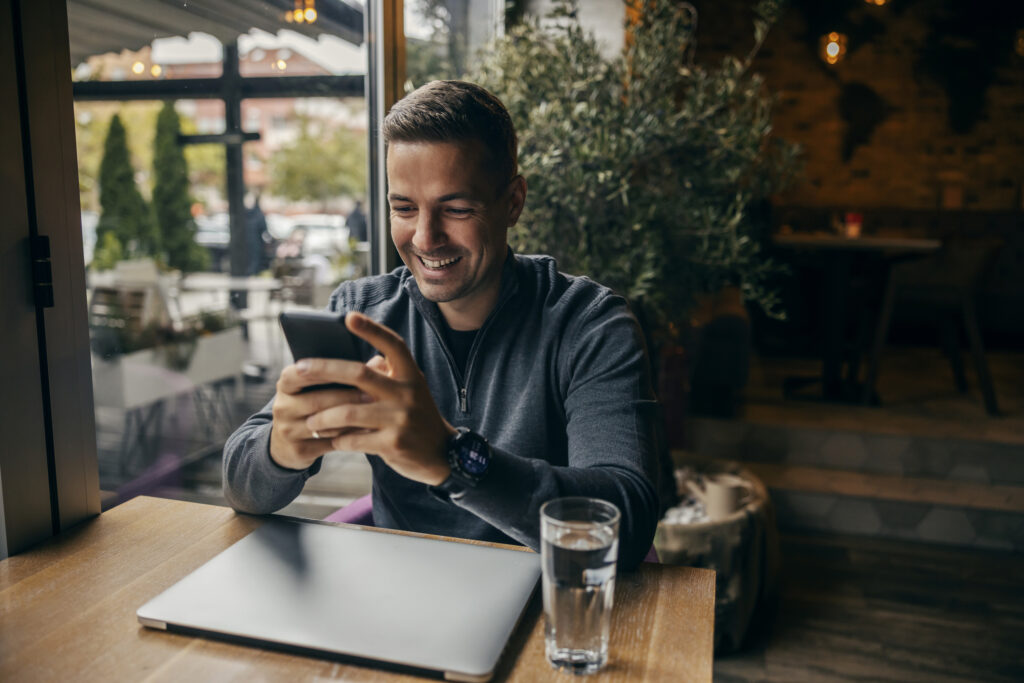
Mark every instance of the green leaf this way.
pixel 642 166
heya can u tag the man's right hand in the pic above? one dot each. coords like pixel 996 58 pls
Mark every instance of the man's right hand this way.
pixel 292 444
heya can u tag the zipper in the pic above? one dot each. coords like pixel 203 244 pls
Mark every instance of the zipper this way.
pixel 462 383
pixel 477 341
pixel 451 363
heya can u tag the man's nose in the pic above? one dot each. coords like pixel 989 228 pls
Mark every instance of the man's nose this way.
pixel 429 233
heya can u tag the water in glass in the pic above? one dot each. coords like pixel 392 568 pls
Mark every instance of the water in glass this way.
pixel 579 586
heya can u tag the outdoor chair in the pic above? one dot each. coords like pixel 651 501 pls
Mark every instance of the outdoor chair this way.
pixel 949 282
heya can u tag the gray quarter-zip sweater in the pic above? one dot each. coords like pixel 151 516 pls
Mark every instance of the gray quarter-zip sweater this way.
pixel 556 380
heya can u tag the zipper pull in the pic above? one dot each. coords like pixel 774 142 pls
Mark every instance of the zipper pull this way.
pixel 463 402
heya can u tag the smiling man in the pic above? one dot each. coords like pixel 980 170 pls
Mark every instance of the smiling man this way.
pixel 491 383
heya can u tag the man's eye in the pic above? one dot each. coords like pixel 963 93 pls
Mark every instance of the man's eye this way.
pixel 458 211
pixel 402 209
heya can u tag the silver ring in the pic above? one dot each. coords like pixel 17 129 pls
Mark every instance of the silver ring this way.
pixel 316 434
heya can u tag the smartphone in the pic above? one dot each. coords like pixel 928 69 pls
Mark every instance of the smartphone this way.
pixel 315 334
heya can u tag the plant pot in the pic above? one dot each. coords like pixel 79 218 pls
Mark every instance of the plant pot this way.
pixel 143 377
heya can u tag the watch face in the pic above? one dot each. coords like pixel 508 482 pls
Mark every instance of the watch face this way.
pixel 474 455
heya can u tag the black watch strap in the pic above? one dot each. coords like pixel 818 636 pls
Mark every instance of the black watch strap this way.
pixel 469 456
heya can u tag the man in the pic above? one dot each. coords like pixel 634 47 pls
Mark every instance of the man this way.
pixel 257 237
pixel 500 383
pixel 356 223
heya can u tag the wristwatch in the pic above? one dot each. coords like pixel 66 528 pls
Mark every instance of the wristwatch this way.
pixel 469 456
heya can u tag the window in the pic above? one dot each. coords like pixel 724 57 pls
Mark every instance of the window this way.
pixel 184 337
pixel 151 433
pixel 442 37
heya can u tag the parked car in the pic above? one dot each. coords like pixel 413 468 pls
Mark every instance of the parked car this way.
pixel 214 233
pixel 325 234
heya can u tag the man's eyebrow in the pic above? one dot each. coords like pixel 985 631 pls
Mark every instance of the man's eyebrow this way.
pixel 451 196
pixel 458 195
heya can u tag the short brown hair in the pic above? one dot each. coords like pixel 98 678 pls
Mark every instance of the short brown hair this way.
pixel 456 111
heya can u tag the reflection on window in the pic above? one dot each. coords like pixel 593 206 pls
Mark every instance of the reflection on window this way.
pixel 182 304
pixel 443 36
pixel 291 54
pixel 198 56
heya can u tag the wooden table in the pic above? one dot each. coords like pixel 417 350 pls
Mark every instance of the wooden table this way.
pixel 67 611
pixel 237 290
pixel 884 243
pixel 837 253
pixel 215 282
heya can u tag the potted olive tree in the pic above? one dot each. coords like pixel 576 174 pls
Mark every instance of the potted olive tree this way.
pixel 645 169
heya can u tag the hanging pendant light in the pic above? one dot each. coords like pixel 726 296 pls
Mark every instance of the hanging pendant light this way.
pixel 302 12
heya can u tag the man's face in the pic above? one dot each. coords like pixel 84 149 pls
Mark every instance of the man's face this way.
pixel 450 221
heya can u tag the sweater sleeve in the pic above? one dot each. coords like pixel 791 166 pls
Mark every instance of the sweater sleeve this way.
pixel 612 434
pixel 253 482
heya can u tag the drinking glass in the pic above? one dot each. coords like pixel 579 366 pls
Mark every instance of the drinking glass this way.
pixel 579 548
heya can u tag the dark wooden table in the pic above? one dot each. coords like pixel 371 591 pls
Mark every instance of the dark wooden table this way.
pixel 67 611
pixel 838 253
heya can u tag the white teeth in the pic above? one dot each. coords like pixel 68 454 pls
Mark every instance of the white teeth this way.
pixel 438 264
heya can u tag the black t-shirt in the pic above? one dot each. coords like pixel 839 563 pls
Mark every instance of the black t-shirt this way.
pixel 460 342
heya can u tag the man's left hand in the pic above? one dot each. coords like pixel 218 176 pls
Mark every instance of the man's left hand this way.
pixel 398 419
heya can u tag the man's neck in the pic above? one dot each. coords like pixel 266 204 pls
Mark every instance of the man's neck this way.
pixel 463 316
pixel 470 313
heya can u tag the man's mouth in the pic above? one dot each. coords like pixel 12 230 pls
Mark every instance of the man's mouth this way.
pixel 438 264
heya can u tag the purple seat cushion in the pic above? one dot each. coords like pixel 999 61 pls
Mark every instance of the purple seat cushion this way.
pixel 359 511
pixel 652 556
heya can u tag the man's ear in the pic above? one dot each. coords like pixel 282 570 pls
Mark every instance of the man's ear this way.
pixel 516 199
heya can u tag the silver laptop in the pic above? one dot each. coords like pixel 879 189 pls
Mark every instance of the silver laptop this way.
pixel 415 604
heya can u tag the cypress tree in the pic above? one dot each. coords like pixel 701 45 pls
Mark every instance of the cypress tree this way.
pixel 123 211
pixel 171 201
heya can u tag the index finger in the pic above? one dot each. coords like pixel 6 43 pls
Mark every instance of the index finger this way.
pixel 385 340
pixel 310 372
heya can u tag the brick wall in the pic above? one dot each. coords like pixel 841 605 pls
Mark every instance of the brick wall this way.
pixel 913 154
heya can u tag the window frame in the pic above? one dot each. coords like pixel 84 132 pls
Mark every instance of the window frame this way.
pixel 49 475
pixel 48 467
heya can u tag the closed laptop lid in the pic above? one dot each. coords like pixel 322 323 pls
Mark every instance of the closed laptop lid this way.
pixel 401 600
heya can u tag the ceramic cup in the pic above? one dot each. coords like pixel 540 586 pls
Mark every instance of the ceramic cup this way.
pixel 722 494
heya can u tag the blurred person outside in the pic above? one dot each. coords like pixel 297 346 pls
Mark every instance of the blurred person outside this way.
pixel 259 241
pixel 356 223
